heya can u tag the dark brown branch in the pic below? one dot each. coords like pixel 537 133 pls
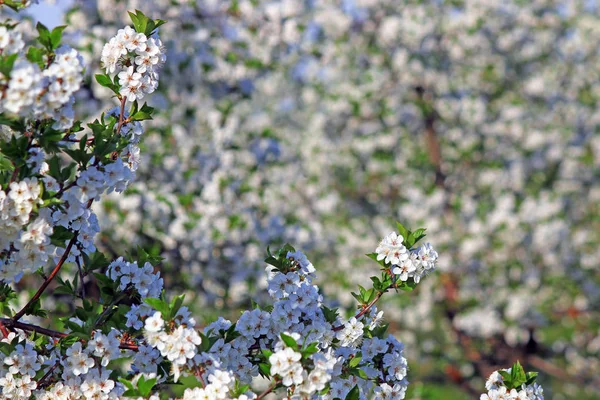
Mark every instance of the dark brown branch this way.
pixel 52 275
pixel 125 345
pixel 47 281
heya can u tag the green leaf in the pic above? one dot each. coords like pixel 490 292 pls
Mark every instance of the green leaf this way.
pixel 56 36
pixel 145 386
pixel 311 349
pixel 517 374
pixel 402 230
pixel 267 353
pixel 6 164
pixel 265 369
pixel 407 286
pixel 159 306
pixel 506 377
pixel 355 361
pixel 531 377
pixel 44 36
pixel 106 81
pixel 127 383
pixel 330 314
pixel 64 289
pixel 36 55
pixel 6 65
pixel 144 113
pixel 380 331
pixel 175 305
pixel 353 394
pixel 289 341
pixel 419 234
pixel 60 236
pixel 96 261
pixel 143 24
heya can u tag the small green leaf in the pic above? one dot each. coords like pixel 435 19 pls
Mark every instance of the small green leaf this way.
pixel 175 305
pixel 6 65
pixel 402 230
pixel 265 369
pixel 355 361
pixel 44 36
pixel 36 55
pixel 106 81
pixel 289 341
pixel 145 387
pixel 353 394
pixel 56 36
pixel 159 306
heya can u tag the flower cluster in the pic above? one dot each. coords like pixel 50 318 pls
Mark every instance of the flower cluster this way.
pixel 130 275
pixel 22 363
pixel 47 213
pixel 135 58
pixel 178 342
pixel 406 264
pixel 299 342
pixel 306 348
pixel 40 87
pixel 25 241
pixel 512 384
pixel 219 386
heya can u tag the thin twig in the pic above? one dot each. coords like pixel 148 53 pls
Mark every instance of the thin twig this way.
pixel 47 281
pixel 125 345
pixel 78 261
pixel 32 328
pixel 269 390
pixel 42 382
pixel 50 277
pixel 363 311
pixel 121 115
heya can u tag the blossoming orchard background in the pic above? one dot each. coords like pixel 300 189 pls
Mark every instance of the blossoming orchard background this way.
pixel 319 123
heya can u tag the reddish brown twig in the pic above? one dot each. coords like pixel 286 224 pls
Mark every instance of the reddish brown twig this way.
pixel 3 329
pixel 47 281
pixel 269 390
pixel 125 345
pixel 32 328
pixel 42 382
pixel 363 311
pixel 52 275
pixel 121 115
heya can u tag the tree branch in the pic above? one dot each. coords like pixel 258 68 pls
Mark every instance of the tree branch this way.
pixel 125 345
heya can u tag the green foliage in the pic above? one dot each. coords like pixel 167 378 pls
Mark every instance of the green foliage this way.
pixel 142 388
pixel 167 310
pixel 7 294
pixel 353 394
pixel 142 114
pixel 143 24
pixel 106 81
pixel 7 63
pixel 517 377
pixel 279 260
pixel 49 39
pixel 365 296
pixel 289 341
pixel 141 256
